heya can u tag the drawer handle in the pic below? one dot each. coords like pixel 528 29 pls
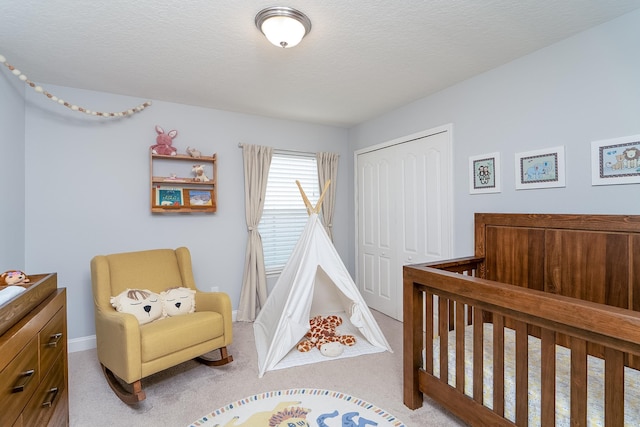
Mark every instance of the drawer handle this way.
pixel 53 339
pixel 24 380
pixel 51 396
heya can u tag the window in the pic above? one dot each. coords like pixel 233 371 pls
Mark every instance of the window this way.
pixel 285 214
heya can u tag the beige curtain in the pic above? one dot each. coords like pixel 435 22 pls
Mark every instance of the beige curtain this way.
pixel 257 160
pixel 328 170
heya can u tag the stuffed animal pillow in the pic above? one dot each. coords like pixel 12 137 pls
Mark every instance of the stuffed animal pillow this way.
pixel 177 301
pixel 14 277
pixel 331 349
pixel 145 305
pixel 324 330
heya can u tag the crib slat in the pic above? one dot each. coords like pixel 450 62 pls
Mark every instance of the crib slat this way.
pixel 522 373
pixel 460 346
pixel 498 364
pixel 614 394
pixel 452 312
pixel 578 382
pixel 428 333
pixel 478 359
pixel 443 332
pixel 548 377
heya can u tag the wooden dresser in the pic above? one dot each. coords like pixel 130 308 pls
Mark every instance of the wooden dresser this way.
pixel 33 358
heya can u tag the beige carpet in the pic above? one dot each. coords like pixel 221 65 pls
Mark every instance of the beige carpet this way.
pixel 185 393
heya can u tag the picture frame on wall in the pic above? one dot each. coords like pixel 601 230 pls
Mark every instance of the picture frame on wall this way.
pixel 615 161
pixel 540 168
pixel 484 174
pixel 200 198
pixel 168 197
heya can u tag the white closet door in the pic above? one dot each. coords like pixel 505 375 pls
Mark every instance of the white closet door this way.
pixel 404 213
pixel 424 215
pixel 376 239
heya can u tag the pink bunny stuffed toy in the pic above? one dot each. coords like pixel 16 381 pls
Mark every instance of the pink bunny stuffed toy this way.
pixel 163 143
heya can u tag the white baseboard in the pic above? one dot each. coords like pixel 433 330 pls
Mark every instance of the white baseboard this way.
pixel 81 344
pixel 87 343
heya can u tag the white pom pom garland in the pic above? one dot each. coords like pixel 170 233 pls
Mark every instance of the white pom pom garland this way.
pixel 72 107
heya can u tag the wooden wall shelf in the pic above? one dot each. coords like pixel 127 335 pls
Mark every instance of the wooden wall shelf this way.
pixel 174 188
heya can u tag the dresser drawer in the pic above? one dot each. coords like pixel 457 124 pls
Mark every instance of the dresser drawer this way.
pixel 52 341
pixel 48 395
pixel 18 380
pixel 18 422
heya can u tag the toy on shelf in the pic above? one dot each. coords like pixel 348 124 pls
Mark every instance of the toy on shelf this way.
pixel 13 277
pixel 194 153
pixel 191 182
pixel 164 143
pixel 200 175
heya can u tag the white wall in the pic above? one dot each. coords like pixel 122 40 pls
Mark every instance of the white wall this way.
pixel 12 172
pixel 86 179
pixel 582 89
pixel 88 188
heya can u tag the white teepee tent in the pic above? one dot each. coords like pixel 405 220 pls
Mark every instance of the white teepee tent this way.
pixel 314 281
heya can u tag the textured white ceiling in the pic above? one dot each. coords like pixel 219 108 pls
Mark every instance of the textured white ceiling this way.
pixel 361 59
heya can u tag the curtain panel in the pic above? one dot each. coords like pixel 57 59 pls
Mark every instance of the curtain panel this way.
pixel 328 170
pixel 256 160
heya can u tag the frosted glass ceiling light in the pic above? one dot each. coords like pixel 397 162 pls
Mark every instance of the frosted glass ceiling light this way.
pixel 283 26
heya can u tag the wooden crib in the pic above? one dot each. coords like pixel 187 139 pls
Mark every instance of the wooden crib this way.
pixel 570 281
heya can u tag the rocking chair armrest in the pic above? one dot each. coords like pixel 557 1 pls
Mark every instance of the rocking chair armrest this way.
pixel 118 343
pixel 218 302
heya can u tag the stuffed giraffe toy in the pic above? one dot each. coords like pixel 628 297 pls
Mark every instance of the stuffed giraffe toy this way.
pixel 323 331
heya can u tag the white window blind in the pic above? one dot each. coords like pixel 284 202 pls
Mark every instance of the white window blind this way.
pixel 285 214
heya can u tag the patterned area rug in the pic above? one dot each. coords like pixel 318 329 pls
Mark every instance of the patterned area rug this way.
pixel 301 408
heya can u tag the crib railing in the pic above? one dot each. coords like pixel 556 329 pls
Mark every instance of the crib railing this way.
pixel 468 266
pixel 437 301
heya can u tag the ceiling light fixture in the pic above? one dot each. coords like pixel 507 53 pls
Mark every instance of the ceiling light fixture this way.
pixel 283 26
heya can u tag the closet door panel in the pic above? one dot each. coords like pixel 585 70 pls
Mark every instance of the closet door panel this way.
pixel 376 251
pixel 403 214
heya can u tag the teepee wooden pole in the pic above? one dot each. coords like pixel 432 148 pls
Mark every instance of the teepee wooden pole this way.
pixel 307 203
pixel 324 191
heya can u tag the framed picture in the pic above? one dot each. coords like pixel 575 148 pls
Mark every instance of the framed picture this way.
pixel 200 198
pixel 616 161
pixel 484 173
pixel 169 196
pixel 540 168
